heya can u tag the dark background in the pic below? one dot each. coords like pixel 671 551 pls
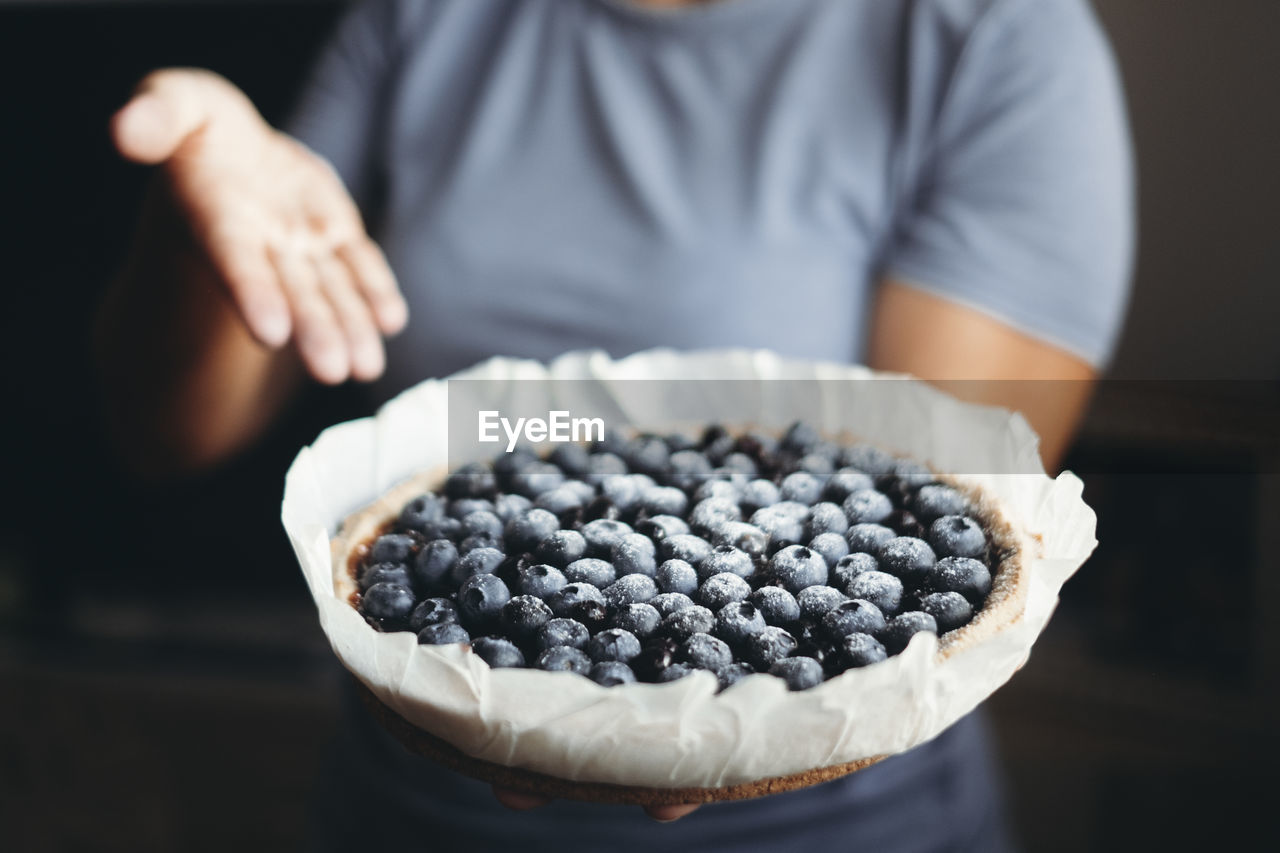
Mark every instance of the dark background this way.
pixel 163 684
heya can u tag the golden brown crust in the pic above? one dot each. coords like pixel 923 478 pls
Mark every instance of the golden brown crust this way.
pixel 429 746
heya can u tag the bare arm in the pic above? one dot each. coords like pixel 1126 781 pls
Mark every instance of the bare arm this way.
pixel 952 346
pixel 248 243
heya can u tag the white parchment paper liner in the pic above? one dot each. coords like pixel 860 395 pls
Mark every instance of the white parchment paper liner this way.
pixel 682 734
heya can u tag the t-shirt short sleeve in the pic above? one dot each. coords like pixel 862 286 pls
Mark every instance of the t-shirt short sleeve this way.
pixel 1023 203
pixel 340 111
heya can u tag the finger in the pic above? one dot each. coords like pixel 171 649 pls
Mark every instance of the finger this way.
pixel 666 814
pixel 377 283
pixel 254 285
pixel 317 333
pixel 167 107
pixel 519 800
pixel 355 318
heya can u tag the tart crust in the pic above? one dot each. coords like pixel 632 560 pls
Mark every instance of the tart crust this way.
pixel 1004 607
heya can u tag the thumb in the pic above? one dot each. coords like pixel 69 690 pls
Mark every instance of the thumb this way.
pixel 167 108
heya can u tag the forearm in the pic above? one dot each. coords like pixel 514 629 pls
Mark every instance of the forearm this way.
pixel 976 358
pixel 185 385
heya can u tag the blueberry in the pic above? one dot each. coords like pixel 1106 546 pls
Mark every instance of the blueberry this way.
pixel 826 517
pixel 564 659
pixel 562 632
pixel 830 546
pixel 677 576
pixel 476 541
pixel 661 527
pixel 524 532
pixel 912 475
pixel 950 610
pixel 796 567
pixel 776 605
pixel 611 673
pixel 742 464
pixel 799 438
pixel 782 529
pixel 957 536
pixel 396 573
pixel 741 535
pixel 769 646
pixel 692 549
pixel 820 465
pixel 432 611
pixel 421 510
pixel 857 650
pixel 816 601
pixel 687 469
pixel 732 674
pixel 388 603
pixel 562 502
pixel 613 644
pixel 623 491
pixel 567 596
pixel 391 548
pixel 908 558
pixel 712 512
pixel 664 500
pixel 482 597
pixel 612 442
pixel 791 509
pixel 647 453
pixel 724 588
pixel 738 621
pixel 507 465
pixel 727 559
pixel 509 506
pixel 656 654
pixel 964 575
pixel 598 573
pixel 880 588
pixel 901 628
pixel 868 538
pixel 719 489
pixel 867 506
pixel 675 672
pixel 434 563
pixel 573 459
pixel 602 534
pixel 758 494
pixel 867 459
pixel 717 443
pixel 474 480
pixel 905 524
pixel 629 589
pixel 498 652
pixel 536 478
pixel 540 580
pixel 704 651
pixel 757 445
pixel 640 619
pixel 853 617
pixel 669 602
pixel 480 561
pixel 845 482
pixel 800 673
pixel 443 634
pixel 440 528
pixel 604 466
pixel 933 501
pixel 593 614
pixel 463 507
pixel 801 487
pixel 523 615
pixel 682 624
pixel 848 568
pixel 561 548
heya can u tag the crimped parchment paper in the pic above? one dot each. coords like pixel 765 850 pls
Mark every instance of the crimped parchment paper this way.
pixel 683 734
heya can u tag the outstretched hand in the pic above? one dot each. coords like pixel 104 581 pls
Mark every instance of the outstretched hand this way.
pixel 272 218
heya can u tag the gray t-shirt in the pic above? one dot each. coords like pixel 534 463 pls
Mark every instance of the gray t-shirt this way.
pixel 547 175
